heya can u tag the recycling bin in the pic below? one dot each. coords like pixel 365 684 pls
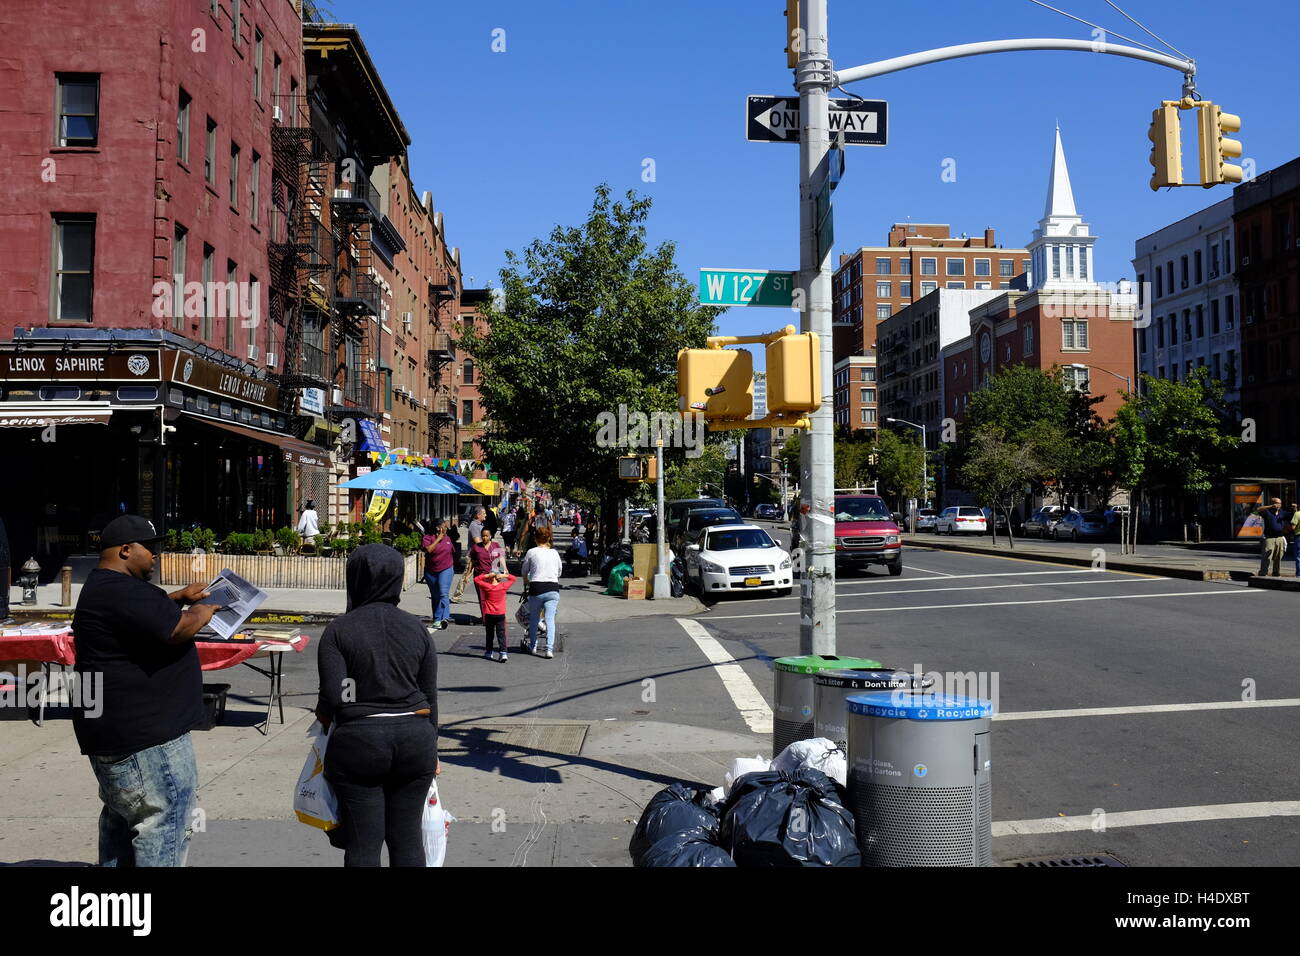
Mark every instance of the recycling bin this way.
pixel 792 717
pixel 919 778
pixel 832 688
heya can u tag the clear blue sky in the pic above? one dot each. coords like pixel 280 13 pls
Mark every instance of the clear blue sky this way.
pixel 512 143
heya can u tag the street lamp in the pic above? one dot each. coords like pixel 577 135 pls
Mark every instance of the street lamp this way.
pixel 925 476
pixel 1128 382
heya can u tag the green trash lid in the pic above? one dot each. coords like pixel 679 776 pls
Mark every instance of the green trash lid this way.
pixel 813 663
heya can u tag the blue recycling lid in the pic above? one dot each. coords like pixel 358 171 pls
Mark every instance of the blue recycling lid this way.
pixel 903 705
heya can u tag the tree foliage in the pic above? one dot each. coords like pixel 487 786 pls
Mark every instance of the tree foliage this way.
pixel 997 470
pixel 899 460
pixel 1179 435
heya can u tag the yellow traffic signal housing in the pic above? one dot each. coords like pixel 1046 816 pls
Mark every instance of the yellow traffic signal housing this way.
pixel 792 34
pixel 1166 148
pixel 638 468
pixel 1211 124
pixel 650 470
pixel 794 374
pixel 716 383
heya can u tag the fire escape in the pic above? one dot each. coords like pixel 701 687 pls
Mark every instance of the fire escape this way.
pixel 300 250
pixel 355 297
pixel 441 367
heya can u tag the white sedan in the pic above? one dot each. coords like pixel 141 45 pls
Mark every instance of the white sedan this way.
pixel 738 557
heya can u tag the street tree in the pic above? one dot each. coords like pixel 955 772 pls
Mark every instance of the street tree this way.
pixel 899 460
pixel 588 319
pixel 997 471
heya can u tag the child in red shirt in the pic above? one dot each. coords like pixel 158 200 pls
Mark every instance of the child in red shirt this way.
pixel 492 588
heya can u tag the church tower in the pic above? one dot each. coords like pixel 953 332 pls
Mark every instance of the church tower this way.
pixel 1061 250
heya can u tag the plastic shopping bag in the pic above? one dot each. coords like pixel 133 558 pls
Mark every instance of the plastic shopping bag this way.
pixel 819 753
pixel 314 802
pixel 435 824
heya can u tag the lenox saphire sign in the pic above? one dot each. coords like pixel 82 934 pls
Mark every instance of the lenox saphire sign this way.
pixel 79 366
pixel 186 369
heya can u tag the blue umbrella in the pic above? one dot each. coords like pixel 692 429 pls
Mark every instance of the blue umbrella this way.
pixel 401 478
pixel 461 483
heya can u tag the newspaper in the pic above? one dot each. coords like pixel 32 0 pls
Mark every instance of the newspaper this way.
pixel 238 599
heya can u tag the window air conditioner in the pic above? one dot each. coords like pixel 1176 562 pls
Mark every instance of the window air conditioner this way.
pixel 336 397
pixel 277 114
pixel 252 351
pixel 342 194
pixel 271 358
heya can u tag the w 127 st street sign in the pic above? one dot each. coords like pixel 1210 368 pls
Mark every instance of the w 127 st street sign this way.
pixel 746 287
pixel 775 119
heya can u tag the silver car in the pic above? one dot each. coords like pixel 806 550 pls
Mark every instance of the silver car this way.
pixel 926 518
pixel 1042 523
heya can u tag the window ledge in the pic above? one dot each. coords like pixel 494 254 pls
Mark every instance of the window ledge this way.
pixel 209 187
pixel 183 165
pixel 74 149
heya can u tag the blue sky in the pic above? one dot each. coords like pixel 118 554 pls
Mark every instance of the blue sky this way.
pixel 512 143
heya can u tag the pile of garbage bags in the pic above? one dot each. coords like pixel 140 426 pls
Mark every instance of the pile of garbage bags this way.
pixel 786 812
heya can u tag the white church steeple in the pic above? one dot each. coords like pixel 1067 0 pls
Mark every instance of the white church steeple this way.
pixel 1061 250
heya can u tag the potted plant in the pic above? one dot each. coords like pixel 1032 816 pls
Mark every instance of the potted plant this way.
pixel 238 543
pixel 287 541
pixel 206 539
pixel 263 541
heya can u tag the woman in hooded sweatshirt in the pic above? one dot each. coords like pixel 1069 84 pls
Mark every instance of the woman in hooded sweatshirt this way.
pixel 379 691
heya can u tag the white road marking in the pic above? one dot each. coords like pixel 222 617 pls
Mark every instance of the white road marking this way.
pixel 942 574
pixel 1147 709
pixel 753 708
pixel 994 574
pixel 942 607
pixel 1142 818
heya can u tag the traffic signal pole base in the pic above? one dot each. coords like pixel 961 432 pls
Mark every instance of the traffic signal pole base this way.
pixel 663 587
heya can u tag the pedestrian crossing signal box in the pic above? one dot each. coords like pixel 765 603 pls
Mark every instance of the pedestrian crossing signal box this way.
pixel 638 468
pixel 716 383
pixel 794 380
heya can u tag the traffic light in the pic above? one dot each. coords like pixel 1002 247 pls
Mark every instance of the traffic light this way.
pixel 793 35
pixel 1211 124
pixel 717 383
pixel 638 468
pixel 794 374
pixel 1167 148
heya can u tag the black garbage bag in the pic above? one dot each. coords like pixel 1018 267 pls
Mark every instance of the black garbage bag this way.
pixel 776 818
pixel 619 554
pixel 677 579
pixel 674 809
pixel 694 847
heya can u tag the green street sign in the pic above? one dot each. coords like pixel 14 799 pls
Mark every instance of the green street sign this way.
pixel 746 287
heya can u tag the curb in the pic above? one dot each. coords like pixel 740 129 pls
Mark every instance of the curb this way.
pixel 1169 571
pixel 1274 584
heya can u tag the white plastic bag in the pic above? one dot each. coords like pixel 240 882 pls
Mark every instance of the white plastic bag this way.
pixel 435 823
pixel 314 802
pixel 817 752
pixel 741 766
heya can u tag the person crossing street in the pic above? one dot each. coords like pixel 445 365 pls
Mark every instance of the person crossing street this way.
pixel 1274 544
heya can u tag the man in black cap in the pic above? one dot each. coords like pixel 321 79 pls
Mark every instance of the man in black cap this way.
pixel 138 641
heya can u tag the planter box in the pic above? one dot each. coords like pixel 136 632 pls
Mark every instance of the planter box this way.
pixel 268 571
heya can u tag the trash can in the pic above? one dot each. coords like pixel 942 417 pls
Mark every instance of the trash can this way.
pixel 831 688
pixel 792 717
pixel 214 705
pixel 919 779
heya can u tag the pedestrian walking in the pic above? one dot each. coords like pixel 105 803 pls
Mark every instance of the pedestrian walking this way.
pixel 508 530
pixel 379 701
pixel 541 572
pixel 309 523
pixel 525 527
pixel 485 557
pixel 1294 537
pixel 492 588
pixel 1274 546
pixel 476 524
pixel 439 569
pixel 135 649
pixel 5 582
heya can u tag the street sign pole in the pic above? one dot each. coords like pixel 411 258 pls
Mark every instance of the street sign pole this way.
pixel 813 80
pixel 662 584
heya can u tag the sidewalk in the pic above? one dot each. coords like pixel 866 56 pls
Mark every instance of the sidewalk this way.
pixel 1208 562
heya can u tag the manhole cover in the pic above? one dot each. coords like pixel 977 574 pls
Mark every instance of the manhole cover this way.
pixel 1099 859
pixel 563 739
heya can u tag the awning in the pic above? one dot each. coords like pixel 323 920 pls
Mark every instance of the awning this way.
pixel 462 484
pixel 295 451
pixel 371 439
pixel 45 414
pixel 485 486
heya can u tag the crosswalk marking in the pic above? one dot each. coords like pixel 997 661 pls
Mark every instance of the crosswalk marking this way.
pixel 1140 818
pixel 751 704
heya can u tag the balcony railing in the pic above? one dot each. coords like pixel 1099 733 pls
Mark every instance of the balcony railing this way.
pixel 356 200
pixel 356 294
pixel 360 393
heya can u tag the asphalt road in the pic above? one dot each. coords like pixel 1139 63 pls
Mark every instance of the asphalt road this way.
pixel 1188 785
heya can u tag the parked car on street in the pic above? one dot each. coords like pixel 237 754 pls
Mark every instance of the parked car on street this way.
pixel 697 521
pixel 925 519
pixel 1079 525
pixel 679 508
pixel 961 519
pixel 736 556
pixel 1041 522
pixel 767 512
pixel 866 533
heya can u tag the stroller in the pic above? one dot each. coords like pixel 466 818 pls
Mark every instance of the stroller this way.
pixel 521 618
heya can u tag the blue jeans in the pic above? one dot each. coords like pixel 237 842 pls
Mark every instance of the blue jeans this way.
pixel 148 797
pixel 440 592
pixel 537 604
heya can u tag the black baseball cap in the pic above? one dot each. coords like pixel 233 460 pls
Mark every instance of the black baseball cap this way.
pixel 126 529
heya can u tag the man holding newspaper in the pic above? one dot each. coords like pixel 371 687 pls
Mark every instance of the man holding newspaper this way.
pixel 139 641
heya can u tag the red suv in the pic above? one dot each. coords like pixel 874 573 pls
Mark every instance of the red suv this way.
pixel 865 533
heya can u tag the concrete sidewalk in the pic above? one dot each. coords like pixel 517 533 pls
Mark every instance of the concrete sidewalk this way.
pixel 1197 563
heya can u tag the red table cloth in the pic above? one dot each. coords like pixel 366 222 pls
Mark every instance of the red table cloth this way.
pixel 57 647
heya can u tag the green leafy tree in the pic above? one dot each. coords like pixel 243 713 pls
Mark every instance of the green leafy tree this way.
pixel 592 318
pixel 899 459
pixel 997 471
pixel 685 477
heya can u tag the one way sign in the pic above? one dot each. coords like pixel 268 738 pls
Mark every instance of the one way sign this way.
pixel 775 119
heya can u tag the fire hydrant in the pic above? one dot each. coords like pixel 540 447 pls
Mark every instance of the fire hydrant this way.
pixel 28 579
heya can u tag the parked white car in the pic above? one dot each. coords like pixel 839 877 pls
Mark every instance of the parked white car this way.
pixel 738 557
pixel 961 519
pixel 926 518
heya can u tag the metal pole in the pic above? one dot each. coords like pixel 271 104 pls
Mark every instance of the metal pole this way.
pixel 627 521
pixel 813 80
pixel 662 584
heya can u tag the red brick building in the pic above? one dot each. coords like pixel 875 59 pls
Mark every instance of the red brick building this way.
pixel 473 418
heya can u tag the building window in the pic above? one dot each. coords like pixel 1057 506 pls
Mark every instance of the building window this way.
pixel 254 302
pixel 74 267
pixel 1187 325
pixel 956 267
pixel 1160 372
pixel 1230 373
pixel 234 21
pixel 178 277
pixel 929 267
pixel 210 154
pixel 868 374
pixel 1056 262
pixel 1006 267
pixel 1183 264
pixel 1228 318
pixel 983 285
pixel 983 267
pixel 467 412
pixel 257 65
pixel 1169 277
pixel 1173 330
pixel 1214 316
pixel 255 188
pixel 275 74
pixel 183 127
pixel 928 287
pixel 882 267
pixel 868 416
pixel 1142 341
pixel 1076 377
pixel 210 294
pixel 1200 321
pixel 956 285
pixel 1083 262
pixel 234 173
pixel 1029 340
pixel 1214 260
pixel 1197 263
pixel 78 104
pixel 1218 367
pixel 1004 285
pixel 868 394
pixel 467 373
pixel 905 290
pixel 884 290
pixel 1160 333
pixel 904 267
pixel 1074 334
